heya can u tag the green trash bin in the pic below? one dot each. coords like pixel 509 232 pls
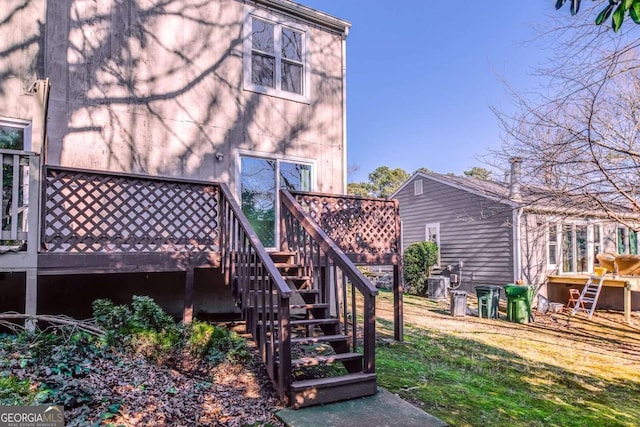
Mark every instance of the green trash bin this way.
pixel 488 300
pixel 519 298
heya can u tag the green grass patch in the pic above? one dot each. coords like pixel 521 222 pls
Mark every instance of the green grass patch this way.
pixel 468 382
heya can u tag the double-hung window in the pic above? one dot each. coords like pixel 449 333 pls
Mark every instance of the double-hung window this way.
pixel 276 59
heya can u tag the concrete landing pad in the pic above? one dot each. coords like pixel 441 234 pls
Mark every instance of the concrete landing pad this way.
pixel 380 410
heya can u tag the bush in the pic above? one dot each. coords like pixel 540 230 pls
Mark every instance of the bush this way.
pixel 144 328
pixel 216 343
pixel 417 261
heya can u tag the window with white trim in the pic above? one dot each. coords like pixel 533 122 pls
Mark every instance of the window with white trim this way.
pixel 432 234
pixel 627 240
pixel 15 134
pixel 552 245
pixel 261 178
pixel 573 246
pixel 417 187
pixel 276 57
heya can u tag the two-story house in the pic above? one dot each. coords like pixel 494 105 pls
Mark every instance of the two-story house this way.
pixel 159 142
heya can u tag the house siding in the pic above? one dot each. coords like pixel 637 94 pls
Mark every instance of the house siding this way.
pixel 473 229
pixel 157 89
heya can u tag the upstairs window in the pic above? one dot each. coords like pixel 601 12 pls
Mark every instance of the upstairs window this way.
pixel 417 187
pixel 275 57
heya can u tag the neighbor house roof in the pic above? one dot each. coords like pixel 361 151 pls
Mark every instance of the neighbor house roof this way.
pixel 531 197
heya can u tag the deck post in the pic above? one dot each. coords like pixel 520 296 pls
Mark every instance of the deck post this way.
pixel 398 316
pixel 187 314
pixel 31 297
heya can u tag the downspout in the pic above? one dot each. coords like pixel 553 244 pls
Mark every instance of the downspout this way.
pixel 344 110
pixel 516 197
pixel 517 249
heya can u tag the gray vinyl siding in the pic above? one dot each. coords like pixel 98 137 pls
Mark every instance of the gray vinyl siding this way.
pixel 473 229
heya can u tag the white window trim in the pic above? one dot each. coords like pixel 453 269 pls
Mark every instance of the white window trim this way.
pixel 417 187
pixel 25 125
pixel 279 158
pixel 279 22
pixel 590 245
pixel 435 225
pixel 552 266
pixel 627 244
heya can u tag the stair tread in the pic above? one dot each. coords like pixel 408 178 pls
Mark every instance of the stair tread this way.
pixel 310 306
pixel 324 359
pixel 288 265
pixel 294 306
pixel 319 339
pixel 305 322
pixel 332 381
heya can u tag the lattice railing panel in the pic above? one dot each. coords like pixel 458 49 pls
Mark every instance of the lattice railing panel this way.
pixel 358 225
pixel 87 211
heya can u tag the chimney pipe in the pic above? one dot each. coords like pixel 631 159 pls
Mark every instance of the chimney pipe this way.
pixel 514 179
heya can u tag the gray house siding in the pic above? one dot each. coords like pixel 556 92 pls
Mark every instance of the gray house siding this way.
pixel 473 229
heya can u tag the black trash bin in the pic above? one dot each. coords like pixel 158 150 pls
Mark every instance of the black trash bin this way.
pixel 458 303
pixel 488 300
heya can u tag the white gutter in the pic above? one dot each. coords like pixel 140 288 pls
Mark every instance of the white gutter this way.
pixel 517 250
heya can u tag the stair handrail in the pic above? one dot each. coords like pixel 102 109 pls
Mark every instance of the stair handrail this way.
pixel 327 244
pixel 262 253
pixel 340 259
pixel 277 360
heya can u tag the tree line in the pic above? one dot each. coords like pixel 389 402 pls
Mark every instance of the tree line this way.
pixel 383 181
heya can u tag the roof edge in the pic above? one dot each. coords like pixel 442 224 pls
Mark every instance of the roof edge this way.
pixel 308 14
pixel 457 186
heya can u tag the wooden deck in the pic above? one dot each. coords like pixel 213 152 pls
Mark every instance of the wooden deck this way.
pixel 627 283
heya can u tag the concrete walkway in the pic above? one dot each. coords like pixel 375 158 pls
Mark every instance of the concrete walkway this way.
pixel 380 410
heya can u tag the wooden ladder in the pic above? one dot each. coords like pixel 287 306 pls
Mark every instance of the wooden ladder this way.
pixel 325 367
pixel 589 296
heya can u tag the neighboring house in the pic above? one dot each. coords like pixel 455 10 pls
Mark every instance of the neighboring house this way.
pixel 133 133
pixel 503 232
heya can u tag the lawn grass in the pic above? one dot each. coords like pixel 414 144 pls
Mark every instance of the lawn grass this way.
pixel 480 372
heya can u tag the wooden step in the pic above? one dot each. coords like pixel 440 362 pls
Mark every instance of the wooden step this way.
pixel 319 339
pixel 282 256
pixel 325 359
pixel 333 389
pixel 314 322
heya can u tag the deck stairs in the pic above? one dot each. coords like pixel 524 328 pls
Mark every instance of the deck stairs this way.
pixel 588 298
pixel 325 366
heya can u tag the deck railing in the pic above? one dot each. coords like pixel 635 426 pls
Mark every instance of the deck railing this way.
pixel 350 295
pixel 260 289
pixel 91 212
pixel 367 229
pixel 18 167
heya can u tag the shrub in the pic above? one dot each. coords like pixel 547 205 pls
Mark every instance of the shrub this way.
pixel 216 343
pixel 417 261
pixel 144 328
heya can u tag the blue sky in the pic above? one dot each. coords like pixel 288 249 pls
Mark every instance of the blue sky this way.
pixel 421 76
